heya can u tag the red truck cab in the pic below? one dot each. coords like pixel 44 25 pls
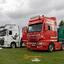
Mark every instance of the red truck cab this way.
pixel 42 34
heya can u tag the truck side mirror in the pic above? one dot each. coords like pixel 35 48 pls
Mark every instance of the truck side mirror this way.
pixel 27 30
pixel 45 27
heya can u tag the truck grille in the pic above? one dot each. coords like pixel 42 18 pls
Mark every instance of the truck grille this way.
pixel 33 39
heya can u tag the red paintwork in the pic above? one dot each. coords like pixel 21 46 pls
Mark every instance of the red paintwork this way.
pixel 24 34
pixel 45 37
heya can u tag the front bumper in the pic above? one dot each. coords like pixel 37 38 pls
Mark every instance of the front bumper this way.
pixel 37 47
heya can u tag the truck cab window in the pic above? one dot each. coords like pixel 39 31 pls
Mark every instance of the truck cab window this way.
pixel 10 32
pixel 3 32
pixel 48 27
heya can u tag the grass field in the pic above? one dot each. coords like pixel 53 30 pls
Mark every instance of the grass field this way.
pixel 24 56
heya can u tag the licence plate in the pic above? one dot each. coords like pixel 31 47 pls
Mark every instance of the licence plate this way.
pixel 33 44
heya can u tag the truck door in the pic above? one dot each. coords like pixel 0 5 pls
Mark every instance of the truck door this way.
pixel 9 36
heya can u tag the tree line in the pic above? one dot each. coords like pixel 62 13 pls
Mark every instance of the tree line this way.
pixel 61 23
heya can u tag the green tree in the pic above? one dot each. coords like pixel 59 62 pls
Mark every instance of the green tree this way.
pixel 61 23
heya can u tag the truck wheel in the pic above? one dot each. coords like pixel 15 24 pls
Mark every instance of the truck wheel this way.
pixel 13 45
pixel 21 44
pixel 50 47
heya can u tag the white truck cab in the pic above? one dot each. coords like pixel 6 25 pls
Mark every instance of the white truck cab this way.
pixel 10 35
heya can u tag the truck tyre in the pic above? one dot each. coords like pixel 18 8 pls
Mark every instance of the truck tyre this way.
pixel 13 45
pixel 21 44
pixel 50 47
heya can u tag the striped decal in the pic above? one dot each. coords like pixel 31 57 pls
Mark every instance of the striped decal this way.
pixel 50 40
pixel 54 37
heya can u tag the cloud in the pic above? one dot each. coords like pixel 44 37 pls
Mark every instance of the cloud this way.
pixel 19 11
pixel 11 5
pixel 59 4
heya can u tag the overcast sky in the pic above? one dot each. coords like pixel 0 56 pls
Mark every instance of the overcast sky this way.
pixel 19 11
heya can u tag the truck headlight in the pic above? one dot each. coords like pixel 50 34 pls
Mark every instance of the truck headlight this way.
pixel 40 43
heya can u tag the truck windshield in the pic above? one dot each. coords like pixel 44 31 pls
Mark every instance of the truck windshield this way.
pixel 35 27
pixel 2 32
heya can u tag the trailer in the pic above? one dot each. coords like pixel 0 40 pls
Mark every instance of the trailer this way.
pixel 10 36
pixel 42 34
pixel 61 34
